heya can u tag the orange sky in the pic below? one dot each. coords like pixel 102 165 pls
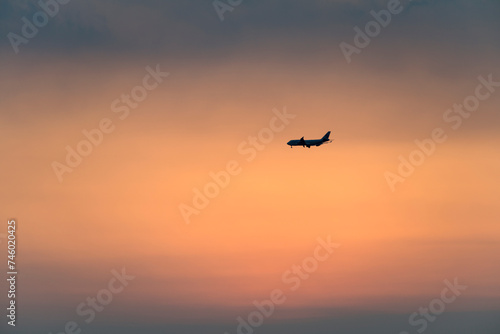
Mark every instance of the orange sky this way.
pixel 120 207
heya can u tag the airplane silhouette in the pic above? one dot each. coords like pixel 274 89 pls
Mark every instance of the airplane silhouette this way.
pixel 310 142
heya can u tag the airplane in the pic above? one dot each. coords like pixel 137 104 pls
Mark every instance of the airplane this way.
pixel 310 142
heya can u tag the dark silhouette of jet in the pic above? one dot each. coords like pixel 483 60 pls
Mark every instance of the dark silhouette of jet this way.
pixel 310 142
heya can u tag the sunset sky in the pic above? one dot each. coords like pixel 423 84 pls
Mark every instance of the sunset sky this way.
pixel 121 205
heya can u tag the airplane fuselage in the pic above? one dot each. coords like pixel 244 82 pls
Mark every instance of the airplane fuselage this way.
pixel 310 142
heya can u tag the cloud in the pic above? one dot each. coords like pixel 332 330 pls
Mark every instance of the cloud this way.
pixel 189 28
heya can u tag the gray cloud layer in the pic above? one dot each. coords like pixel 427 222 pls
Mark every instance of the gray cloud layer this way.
pixel 191 27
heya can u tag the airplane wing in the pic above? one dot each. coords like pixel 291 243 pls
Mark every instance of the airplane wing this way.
pixel 302 141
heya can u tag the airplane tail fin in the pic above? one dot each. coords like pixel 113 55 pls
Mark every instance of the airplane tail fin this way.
pixel 326 136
